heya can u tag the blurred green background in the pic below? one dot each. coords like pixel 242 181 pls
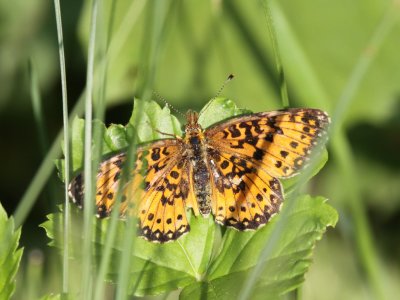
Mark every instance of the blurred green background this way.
pixel 184 50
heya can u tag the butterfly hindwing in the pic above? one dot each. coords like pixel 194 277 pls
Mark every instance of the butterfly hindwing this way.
pixel 244 197
pixel 162 211
pixel 157 191
pixel 107 181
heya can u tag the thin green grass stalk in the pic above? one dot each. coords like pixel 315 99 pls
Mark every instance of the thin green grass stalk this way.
pixel 125 262
pixel 66 222
pixel 122 34
pixel 298 64
pixel 33 275
pixel 299 293
pixel 125 265
pixel 111 230
pixel 47 166
pixel 279 67
pixel 88 174
pixel 52 185
pixel 360 70
pixel 362 233
pixel 278 227
pixel 34 267
pixel 42 175
pixel 342 150
pixel 98 134
pixel 158 13
pixel 246 33
pixel 37 108
pixel 381 31
pixel 107 249
pixel 276 52
pixel 340 146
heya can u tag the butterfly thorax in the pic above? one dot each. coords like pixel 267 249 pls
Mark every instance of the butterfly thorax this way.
pixel 197 154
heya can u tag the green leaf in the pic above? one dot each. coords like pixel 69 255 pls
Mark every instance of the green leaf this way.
pixel 219 109
pixel 151 121
pixel 10 256
pixel 285 266
pixel 116 137
pixel 147 121
pixel 77 143
pixel 169 266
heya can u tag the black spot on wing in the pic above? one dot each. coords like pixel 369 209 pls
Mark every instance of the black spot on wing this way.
pixel 258 154
pixel 174 174
pixel 234 131
pixel 155 154
pixel 159 236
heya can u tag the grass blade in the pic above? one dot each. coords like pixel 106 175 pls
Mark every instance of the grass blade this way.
pixel 341 148
pixel 88 174
pixel 65 268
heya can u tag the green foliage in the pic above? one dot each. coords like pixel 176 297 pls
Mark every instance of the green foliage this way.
pixel 52 297
pixel 283 269
pixel 10 256
pixel 155 268
pixel 218 110
pixel 312 53
pixel 200 262
pixel 190 262
pixel 150 121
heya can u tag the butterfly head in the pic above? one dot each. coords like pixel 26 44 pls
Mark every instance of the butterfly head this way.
pixel 192 127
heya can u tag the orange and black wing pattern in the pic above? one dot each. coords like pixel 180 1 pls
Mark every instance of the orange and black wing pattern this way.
pixel 157 192
pixel 247 156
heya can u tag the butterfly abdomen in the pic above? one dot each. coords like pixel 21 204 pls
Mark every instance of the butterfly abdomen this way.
pixel 201 174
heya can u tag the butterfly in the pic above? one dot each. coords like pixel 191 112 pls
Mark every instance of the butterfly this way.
pixel 230 170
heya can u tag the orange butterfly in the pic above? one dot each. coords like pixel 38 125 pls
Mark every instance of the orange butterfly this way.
pixel 231 169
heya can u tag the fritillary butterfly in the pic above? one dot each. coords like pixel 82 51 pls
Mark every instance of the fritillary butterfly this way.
pixel 231 170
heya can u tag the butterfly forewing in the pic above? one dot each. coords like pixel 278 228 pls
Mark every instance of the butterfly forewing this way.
pixel 279 142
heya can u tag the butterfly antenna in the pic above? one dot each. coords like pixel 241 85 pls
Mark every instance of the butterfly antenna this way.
pixel 168 104
pixel 229 78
